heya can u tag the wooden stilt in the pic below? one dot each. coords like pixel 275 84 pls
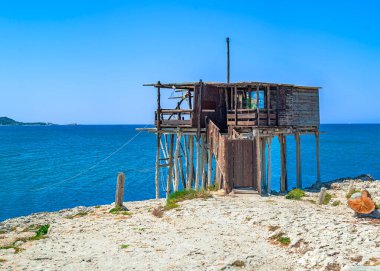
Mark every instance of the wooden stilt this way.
pixel 269 165
pixel 175 162
pixel 190 177
pixel 284 175
pixel 158 165
pixel 170 172
pixel 185 150
pixel 263 165
pixel 209 167
pixel 204 161
pixel 198 171
pixel 181 173
pixel 258 161
pixel 298 161
pixel 317 154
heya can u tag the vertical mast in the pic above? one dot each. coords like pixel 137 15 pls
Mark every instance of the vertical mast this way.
pixel 228 60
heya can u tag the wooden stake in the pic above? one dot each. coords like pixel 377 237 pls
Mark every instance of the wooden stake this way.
pixel 199 165
pixel 170 173
pixel 119 190
pixel 298 161
pixel 258 161
pixel 269 164
pixel 175 162
pixel 263 165
pixel 158 165
pixel 317 154
pixel 190 177
pixel 209 167
pixel 204 160
pixel 322 195
pixel 284 175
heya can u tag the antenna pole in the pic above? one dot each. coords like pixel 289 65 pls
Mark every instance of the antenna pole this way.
pixel 228 60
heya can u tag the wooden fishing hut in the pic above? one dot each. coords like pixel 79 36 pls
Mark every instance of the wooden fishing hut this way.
pixel 232 125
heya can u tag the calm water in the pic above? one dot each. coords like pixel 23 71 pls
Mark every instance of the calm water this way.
pixel 45 168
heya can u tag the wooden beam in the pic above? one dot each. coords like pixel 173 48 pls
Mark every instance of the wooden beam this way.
pixel 170 172
pixel 209 166
pixel 176 169
pixel 258 160
pixel 198 171
pixel 269 165
pixel 268 104
pixel 298 161
pixel 284 175
pixel 204 161
pixel 258 104
pixel 235 98
pixel 190 177
pixel 158 152
pixel 317 154
pixel 199 103
pixel 263 164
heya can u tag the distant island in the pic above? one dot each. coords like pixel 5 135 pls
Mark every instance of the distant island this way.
pixel 5 121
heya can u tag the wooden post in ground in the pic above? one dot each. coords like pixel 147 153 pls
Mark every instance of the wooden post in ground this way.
pixel 190 177
pixel 175 162
pixel 158 124
pixel 284 175
pixel 317 154
pixel 263 164
pixel 209 167
pixel 198 171
pixel 298 161
pixel 322 195
pixel 204 160
pixel 170 161
pixel 269 165
pixel 258 161
pixel 158 165
pixel 119 196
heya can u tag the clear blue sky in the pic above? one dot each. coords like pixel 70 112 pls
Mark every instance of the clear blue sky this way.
pixel 85 61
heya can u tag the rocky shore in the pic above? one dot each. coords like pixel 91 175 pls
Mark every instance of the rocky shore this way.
pixel 223 232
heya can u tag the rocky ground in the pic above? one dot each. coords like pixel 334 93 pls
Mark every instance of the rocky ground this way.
pixel 234 232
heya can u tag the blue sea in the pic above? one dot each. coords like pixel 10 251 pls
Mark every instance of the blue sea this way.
pixel 48 168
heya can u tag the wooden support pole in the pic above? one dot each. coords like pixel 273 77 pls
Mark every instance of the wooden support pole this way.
pixel 263 165
pixel 284 175
pixel 228 60
pixel 175 162
pixel 119 196
pixel 236 114
pixel 158 165
pixel 204 161
pixel 190 177
pixel 268 105
pixel 170 172
pixel 317 154
pixel 269 165
pixel 258 104
pixel 322 195
pixel 258 161
pixel 298 161
pixel 209 167
pixel 198 171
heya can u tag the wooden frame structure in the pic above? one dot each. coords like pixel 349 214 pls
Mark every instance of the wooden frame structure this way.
pixel 233 125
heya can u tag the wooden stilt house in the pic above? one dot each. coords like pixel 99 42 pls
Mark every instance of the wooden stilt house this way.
pixel 233 125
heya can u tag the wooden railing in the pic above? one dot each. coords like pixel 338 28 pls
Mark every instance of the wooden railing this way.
pixel 174 117
pixel 252 117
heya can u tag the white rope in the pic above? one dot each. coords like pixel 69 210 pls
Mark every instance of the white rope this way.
pixel 95 165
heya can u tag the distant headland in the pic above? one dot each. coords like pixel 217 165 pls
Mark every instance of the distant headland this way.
pixel 5 121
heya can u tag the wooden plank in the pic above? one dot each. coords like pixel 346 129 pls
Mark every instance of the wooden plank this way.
pixel 235 94
pixel 298 161
pixel 198 171
pixel 209 167
pixel 284 176
pixel 157 177
pixel 258 161
pixel 191 162
pixel 170 172
pixel 204 160
pixel 263 164
pixel 176 154
pixel 269 165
